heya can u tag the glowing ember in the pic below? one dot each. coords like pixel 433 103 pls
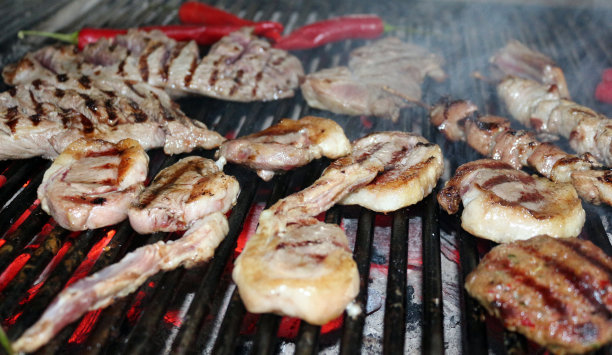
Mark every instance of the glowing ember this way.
pixel 86 325
pixel 91 258
pixel 9 273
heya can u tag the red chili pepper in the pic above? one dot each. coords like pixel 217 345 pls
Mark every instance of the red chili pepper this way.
pixel 332 30
pixel 603 91
pixel 197 13
pixel 203 35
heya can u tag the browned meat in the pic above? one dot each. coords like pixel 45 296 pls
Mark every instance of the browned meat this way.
pixel 557 292
pixel 492 136
pixel 516 59
pixel 240 67
pixel 287 145
pixel 503 204
pixel 93 182
pixel 182 193
pixel 381 78
pixel 44 116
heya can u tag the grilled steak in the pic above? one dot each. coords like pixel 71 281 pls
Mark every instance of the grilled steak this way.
pixel 406 180
pixel 557 292
pixel 182 193
pixel 92 183
pixel 503 204
pixel 240 67
pixel 287 145
pixel 381 78
pixel 492 136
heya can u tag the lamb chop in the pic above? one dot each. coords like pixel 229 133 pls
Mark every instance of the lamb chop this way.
pixel 503 204
pixel 297 266
pixel 492 136
pixel 93 182
pixel 182 193
pixel 44 116
pixel 287 145
pixel 240 67
pixel 381 78
pixel 554 291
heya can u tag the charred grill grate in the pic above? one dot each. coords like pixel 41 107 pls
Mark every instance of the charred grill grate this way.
pixel 412 263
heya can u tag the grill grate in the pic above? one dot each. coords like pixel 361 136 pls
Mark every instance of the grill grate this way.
pixel 412 263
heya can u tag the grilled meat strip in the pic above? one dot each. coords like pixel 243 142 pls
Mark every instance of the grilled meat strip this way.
pixel 503 204
pixel 492 136
pixel 516 59
pixel 93 182
pixel 101 289
pixel 381 78
pixel 557 292
pixel 287 145
pixel 240 67
pixel 44 116
pixel 182 193
pixel 543 108
pixel 297 266
pixel 407 180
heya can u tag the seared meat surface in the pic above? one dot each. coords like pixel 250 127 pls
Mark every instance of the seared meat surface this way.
pixel 503 204
pixel 182 193
pixel 381 78
pixel 287 145
pixel 492 136
pixel 557 292
pixel 240 67
pixel 93 182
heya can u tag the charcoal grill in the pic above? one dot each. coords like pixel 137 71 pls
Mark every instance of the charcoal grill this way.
pixel 411 263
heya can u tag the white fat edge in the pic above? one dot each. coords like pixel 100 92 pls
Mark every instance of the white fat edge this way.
pixel 220 163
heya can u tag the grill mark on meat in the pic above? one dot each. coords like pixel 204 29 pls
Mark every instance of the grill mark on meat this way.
pixel 88 126
pixel 65 114
pixel 109 93
pixel 59 93
pixel 11 118
pixel 590 293
pixel 37 83
pixel 589 257
pixel 153 192
pixel 547 296
pixel 233 90
pixel 85 82
pixel 12 91
pixel 90 103
pixel 168 116
pixel 143 62
pixel 192 69
pixel 62 78
pixel 102 153
pixel 112 114
pixel 279 60
pixel 121 67
pixel 83 200
pixel 213 77
pixel 178 49
pixel 130 85
pixel 138 114
pixel 306 243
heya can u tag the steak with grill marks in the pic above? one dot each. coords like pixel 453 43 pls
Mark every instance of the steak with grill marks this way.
pixel 240 67
pixel 93 182
pixel 557 292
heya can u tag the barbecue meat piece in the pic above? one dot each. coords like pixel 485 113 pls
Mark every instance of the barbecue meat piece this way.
pixel 92 183
pixel 287 145
pixel 101 289
pixel 557 292
pixel 240 67
pixel 503 204
pixel 516 59
pixel 381 78
pixel 182 193
pixel 406 180
pixel 45 116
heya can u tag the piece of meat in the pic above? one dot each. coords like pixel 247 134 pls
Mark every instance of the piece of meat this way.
pixel 182 193
pixel 101 289
pixel 492 136
pixel 503 204
pixel 93 182
pixel 287 145
pixel 45 116
pixel 240 67
pixel 542 107
pixel 406 180
pixel 557 292
pixel 381 78
pixel 295 265
pixel 516 59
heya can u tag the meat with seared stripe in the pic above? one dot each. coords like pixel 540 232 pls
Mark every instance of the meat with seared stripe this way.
pixel 557 292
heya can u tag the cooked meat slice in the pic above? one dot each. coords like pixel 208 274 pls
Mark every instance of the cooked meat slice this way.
pixel 381 78
pixel 516 59
pixel 503 204
pixel 450 117
pixel 287 145
pixel 43 117
pixel 297 266
pixel 182 193
pixel 557 292
pixel 406 180
pixel 101 289
pixel 92 183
